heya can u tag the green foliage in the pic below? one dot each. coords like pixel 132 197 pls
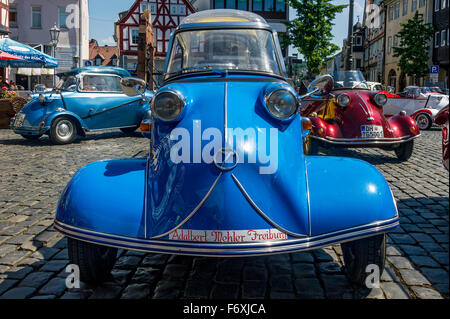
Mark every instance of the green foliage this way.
pixel 310 32
pixel 414 46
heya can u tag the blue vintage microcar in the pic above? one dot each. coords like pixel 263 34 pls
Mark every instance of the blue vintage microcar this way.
pixel 85 99
pixel 226 175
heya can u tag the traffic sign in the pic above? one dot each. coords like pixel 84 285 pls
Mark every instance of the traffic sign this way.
pixel 434 69
pixel 88 63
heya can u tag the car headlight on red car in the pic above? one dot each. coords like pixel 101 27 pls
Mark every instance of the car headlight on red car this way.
pixel 380 99
pixel 343 100
pixel 281 103
pixel 168 104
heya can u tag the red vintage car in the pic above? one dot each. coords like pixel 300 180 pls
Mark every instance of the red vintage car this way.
pixel 442 119
pixel 352 116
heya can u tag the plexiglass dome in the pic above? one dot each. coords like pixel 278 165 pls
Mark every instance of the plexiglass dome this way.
pixel 223 15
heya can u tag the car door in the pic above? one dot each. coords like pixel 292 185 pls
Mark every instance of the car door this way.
pixel 101 103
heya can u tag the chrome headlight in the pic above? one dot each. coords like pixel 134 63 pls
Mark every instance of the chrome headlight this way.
pixel 343 100
pixel 281 103
pixel 168 104
pixel 380 99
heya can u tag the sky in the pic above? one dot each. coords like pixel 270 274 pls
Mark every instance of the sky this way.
pixel 103 14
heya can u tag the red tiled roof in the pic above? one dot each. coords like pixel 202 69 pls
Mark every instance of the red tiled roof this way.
pixel 105 52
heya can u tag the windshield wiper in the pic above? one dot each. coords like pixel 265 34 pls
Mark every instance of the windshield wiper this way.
pixel 198 68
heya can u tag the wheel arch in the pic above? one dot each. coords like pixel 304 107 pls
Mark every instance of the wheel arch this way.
pixel 79 123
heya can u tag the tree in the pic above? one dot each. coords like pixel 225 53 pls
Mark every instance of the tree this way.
pixel 310 32
pixel 414 46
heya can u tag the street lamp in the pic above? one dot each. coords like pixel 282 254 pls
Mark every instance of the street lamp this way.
pixel 54 37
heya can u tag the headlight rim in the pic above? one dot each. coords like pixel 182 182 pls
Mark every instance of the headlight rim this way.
pixel 273 90
pixel 338 102
pixel 176 93
pixel 375 101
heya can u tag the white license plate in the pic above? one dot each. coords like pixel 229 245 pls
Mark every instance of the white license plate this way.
pixel 372 131
pixel 19 120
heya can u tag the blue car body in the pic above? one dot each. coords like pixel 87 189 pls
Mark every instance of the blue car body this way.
pixel 91 110
pixel 204 208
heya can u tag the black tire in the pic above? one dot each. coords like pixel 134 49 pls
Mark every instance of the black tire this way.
pixel 31 137
pixel 423 121
pixel 63 130
pixel 95 261
pixel 404 151
pixel 129 130
pixel 360 253
pixel 310 146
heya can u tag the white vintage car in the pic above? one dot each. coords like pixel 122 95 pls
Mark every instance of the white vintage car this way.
pixel 422 104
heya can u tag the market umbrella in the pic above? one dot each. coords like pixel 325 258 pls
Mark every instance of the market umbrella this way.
pixel 30 58
pixel 9 57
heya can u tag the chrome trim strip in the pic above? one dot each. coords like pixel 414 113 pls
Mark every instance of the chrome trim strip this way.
pixel 369 109
pixel 225 250
pixel 193 212
pixel 391 221
pixel 307 196
pixel 225 116
pixel 260 212
pixel 360 141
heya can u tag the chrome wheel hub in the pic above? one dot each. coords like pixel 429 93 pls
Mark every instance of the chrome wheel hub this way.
pixel 64 130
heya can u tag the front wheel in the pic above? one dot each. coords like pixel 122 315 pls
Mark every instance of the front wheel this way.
pixel 129 130
pixel 423 121
pixel 361 253
pixel 31 137
pixel 404 151
pixel 63 131
pixel 95 261
pixel 310 146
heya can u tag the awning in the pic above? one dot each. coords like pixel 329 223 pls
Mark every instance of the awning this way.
pixel 32 58
pixel 35 71
pixel 7 58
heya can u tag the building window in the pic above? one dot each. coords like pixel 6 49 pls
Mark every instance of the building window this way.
pixel 444 4
pixel 134 37
pixel 219 4
pixel 62 18
pixel 12 16
pixel 280 5
pixel 443 37
pixel 268 6
pixel 98 61
pixel 436 40
pixel 381 19
pixel 389 45
pixel 358 63
pixel 405 7
pixel 257 5
pixel 36 22
pixel 395 43
pixel 358 40
pixel 422 3
pixel 366 54
pixel 437 5
pixel 391 13
pixel 413 5
pixel 231 4
pixel 397 10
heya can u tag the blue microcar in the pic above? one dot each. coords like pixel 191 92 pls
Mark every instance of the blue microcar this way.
pixel 227 175
pixel 85 99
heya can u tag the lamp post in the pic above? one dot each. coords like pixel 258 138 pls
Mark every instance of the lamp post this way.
pixel 54 37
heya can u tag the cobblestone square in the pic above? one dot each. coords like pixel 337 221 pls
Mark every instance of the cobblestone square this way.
pixel 33 256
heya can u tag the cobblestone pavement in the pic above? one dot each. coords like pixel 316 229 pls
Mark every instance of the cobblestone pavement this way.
pixel 33 256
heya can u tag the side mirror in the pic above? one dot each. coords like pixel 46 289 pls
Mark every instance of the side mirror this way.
pixel 321 86
pixel 133 86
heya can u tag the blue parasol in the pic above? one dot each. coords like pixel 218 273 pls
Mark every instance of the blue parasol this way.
pixel 32 58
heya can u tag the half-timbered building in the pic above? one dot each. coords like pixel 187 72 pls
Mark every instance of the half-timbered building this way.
pixel 166 16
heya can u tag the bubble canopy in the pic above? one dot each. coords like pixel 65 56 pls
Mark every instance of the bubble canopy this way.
pixel 223 17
